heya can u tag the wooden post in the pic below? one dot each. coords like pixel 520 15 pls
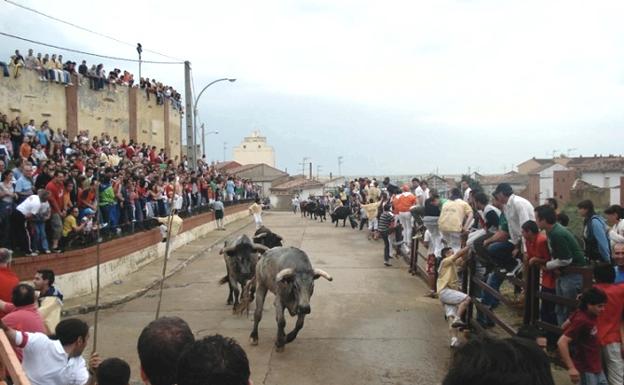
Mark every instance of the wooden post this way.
pixel 10 361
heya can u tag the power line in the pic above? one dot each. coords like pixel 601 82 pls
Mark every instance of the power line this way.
pixel 87 53
pixel 85 29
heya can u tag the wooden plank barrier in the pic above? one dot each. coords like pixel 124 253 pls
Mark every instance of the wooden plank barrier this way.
pixel 10 362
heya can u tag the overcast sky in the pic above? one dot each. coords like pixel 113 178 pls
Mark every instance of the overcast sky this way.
pixel 395 87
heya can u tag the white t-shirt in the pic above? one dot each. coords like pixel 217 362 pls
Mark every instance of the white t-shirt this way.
pixel 46 362
pixel 517 211
pixel 467 194
pixel 30 205
pixel 435 243
pixel 420 195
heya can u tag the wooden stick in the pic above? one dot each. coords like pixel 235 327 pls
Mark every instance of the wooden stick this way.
pixel 97 268
pixel 10 361
pixel 164 269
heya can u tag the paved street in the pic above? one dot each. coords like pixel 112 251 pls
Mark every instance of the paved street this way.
pixel 371 325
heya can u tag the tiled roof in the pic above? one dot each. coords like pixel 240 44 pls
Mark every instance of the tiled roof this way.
pixel 597 163
pixel 298 184
pixel 511 177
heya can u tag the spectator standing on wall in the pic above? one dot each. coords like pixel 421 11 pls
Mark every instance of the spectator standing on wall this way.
pixel 7 200
pixel 595 231
pixel 22 214
pixel 56 187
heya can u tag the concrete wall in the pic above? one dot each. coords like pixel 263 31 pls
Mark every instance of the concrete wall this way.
pixel 122 112
pixel 84 282
pixel 104 111
pixel 29 98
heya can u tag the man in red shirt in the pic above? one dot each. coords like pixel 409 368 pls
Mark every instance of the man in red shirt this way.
pixel 581 329
pixel 610 323
pixel 538 254
pixel 25 317
pixel 8 279
pixel 57 192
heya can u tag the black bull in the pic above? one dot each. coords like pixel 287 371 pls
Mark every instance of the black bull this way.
pixel 241 256
pixel 287 273
pixel 264 236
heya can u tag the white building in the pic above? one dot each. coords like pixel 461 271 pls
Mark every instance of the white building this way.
pixel 546 181
pixel 253 150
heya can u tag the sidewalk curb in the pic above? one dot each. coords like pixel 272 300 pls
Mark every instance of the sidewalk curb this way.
pixel 85 309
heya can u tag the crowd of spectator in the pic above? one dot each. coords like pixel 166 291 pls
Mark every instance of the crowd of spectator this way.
pixel 53 68
pixel 50 182
pixel 504 235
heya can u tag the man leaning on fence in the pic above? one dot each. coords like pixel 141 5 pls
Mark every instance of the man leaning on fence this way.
pixel 565 251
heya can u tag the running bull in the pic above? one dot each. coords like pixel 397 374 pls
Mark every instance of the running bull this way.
pixel 241 256
pixel 264 236
pixel 287 273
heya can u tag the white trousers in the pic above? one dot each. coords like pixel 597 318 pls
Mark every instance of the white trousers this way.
pixel 405 219
pixel 258 220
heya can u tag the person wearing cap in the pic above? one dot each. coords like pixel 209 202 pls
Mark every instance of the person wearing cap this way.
pixel 402 204
pixel 517 212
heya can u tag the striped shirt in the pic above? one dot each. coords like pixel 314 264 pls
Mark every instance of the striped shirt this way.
pixel 384 221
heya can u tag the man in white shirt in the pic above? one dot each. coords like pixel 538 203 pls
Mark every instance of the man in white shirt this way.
pixel 25 211
pixel 55 362
pixel 517 211
pixel 467 190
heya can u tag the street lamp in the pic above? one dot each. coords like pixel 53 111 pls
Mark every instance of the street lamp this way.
pixel 195 109
pixel 203 134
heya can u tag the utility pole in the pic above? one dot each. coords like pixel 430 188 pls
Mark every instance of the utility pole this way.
pixel 303 165
pixel 224 149
pixel 190 134
pixel 203 134
pixel 339 165
pixel 310 170
pixel 139 49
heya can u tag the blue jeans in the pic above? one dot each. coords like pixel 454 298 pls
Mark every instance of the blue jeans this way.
pixel 500 252
pixel 568 286
pixel 494 280
pixel 41 240
pixel 593 378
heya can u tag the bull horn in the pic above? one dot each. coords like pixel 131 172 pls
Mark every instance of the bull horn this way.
pixel 259 247
pixel 284 274
pixel 260 235
pixel 320 273
pixel 226 249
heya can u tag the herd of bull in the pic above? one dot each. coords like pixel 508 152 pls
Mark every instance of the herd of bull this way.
pixel 260 264
pixel 317 209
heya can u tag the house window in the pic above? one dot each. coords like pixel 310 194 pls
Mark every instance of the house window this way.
pixel 259 146
pixel 244 146
pixel 607 181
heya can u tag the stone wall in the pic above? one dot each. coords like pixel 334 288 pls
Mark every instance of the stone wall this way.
pixel 121 111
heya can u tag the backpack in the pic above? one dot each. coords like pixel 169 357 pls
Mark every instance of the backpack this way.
pixel 591 244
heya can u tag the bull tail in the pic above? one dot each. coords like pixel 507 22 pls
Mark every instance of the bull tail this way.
pixel 224 280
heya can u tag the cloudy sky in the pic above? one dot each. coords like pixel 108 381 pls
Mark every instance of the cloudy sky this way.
pixel 395 87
